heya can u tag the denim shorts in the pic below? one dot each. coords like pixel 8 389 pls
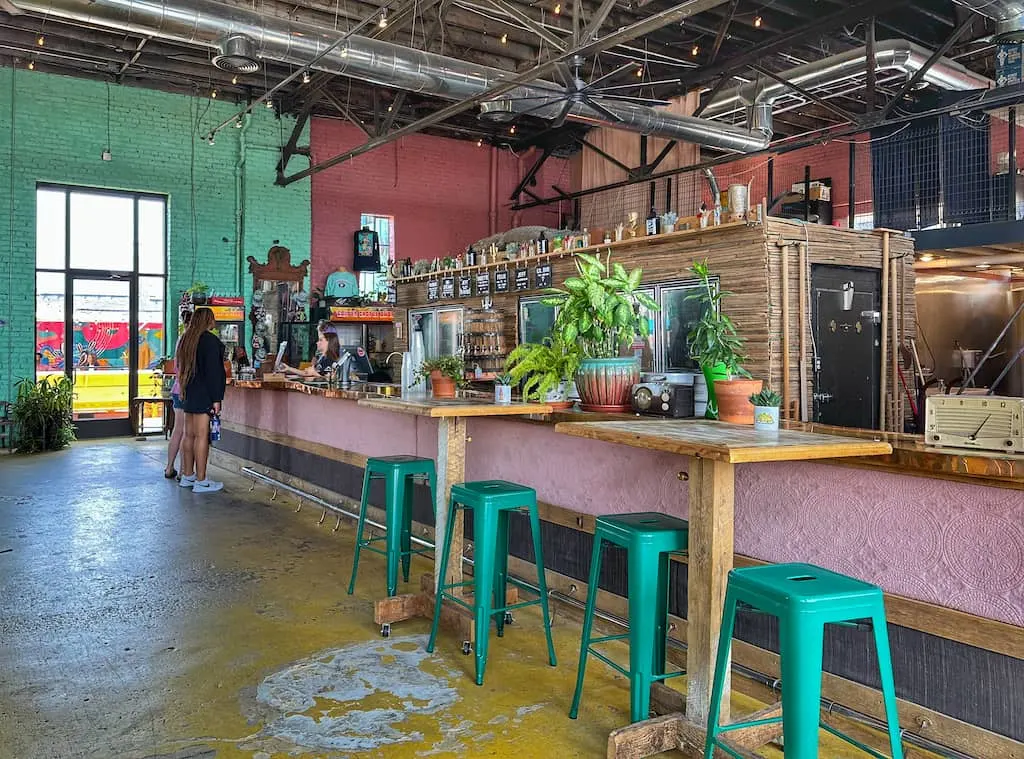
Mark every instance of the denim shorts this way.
pixel 176 401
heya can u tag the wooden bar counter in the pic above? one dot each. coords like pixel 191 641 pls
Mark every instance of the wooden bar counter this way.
pixel 946 546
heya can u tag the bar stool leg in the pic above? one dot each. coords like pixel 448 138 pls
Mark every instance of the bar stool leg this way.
pixel 643 605
pixel 892 716
pixel 438 600
pixel 485 528
pixel 721 669
pixel 588 621
pixel 661 616
pixel 501 572
pixel 801 642
pixel 359 529
pixel 409 491
pixel 393 512
pixel 542 583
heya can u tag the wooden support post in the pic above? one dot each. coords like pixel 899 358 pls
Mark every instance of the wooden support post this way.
pixel 785 249
pixel 894 319
pixel 451 469
pixel 883 397
pixel 805 411
pixel 711 550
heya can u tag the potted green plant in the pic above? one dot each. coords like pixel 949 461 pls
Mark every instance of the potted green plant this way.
pixel 445 373
pixel 717 347
pixel 545 370
pixel 600 311
pixel 766 409
pixel 42 414
pixel 198 293
pixel 503 388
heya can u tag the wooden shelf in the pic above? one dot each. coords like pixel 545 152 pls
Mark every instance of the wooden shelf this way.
pixel 516 262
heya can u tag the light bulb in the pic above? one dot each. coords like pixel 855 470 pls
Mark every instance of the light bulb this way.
pixel 41 40
pixel 640 72
pixel 558 8
pixel 210 139
pixel 512 129
pixel 238 123
pixel 695 50
pixel 480 143
pixel 757 21
pixel 926 257
pixel 269 103
pixel 31 65
pixel 213 94
pixel 234 80
pixel 383 19
pixel 504 39
pixel 305 77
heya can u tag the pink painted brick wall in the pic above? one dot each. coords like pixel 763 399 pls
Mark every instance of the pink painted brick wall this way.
pixel 437 189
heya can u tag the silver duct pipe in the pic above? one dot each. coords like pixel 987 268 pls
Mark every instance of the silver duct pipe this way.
pixel 1008 15
pixel 211 24
pixel 899 55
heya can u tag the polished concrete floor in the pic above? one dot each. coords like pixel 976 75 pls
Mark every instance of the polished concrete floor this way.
pixel 141 621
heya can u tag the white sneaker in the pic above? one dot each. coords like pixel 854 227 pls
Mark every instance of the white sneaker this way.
pixel 187 482
pixel 207 486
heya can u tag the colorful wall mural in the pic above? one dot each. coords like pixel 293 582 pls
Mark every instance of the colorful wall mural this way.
pixel 98 344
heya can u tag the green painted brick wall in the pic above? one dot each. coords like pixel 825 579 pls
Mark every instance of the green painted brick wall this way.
pixel 53 129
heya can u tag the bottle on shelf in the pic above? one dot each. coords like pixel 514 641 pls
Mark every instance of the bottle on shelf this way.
pixel 542 244
pixel 653 222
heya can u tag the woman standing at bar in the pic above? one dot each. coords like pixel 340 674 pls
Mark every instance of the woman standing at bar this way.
pixel 200 362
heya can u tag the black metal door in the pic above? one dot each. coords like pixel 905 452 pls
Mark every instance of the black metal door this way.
pixel 845 303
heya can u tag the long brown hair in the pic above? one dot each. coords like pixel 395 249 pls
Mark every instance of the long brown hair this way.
pixel 333 352
pixel 202 322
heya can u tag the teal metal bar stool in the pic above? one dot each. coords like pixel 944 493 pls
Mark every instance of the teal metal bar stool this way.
pixel 650 539
pixel 400 473
pixel 804 598
pixel 491 502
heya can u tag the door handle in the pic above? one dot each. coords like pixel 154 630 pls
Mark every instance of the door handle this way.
pixel 823 397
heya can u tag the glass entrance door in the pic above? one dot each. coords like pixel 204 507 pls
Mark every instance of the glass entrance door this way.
pixel 101 354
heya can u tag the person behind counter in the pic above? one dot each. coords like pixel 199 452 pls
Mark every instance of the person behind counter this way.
pixel 329 350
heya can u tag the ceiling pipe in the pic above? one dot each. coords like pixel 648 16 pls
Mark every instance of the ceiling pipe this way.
pixel 1008 15
pixel 970 262
pixel 212 24
pixel 899 55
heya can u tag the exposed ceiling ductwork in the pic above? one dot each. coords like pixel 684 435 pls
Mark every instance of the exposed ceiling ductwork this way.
pixel 890 55
pixel 213 24
pixel 1008 15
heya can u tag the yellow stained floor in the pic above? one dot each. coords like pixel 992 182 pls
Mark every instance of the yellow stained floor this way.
pixel 142 621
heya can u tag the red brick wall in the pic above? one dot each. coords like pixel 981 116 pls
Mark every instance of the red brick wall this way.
pixel 437 189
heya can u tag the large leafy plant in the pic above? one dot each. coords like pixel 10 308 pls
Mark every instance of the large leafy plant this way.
pixel 544 367
pixel 714 339
pixel 42 414
pixel 600 308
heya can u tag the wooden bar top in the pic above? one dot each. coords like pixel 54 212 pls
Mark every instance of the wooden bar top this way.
pixel 736 444
pixel 453 407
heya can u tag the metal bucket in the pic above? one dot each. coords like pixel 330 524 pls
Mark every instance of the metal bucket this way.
pixel 738 201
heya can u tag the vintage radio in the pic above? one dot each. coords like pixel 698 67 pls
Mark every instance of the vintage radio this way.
pixel 982 422
pixel 663 399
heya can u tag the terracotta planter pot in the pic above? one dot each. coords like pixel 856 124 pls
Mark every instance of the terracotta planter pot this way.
pixel 605 384
pixel 442 386
pixel 734 400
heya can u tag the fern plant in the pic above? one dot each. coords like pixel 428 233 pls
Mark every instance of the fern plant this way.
pixel 543 367
pixel 42 414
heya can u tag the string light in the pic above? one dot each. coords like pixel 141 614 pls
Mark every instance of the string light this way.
pixel 926 257
pixel 504 39
pixel 757 21
pixel 558 8
pixel 512 129
pixel 40 40
pixel 305 77
pixel 695 50
pixel 234 80
pixel 383 18
pixel 31 65
pixel 238 123
pixel 480 143
pixel 213 94
pixel 269 103
pixel 640 73
pixel 210 139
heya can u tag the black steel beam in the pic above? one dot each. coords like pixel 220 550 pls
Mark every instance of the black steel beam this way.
pixel 661 156
pixel 343 109
pixel 606 156
pixel 723 28
pixel 670 15
pixel 597 20
pixel 722 81
pixel 872 66
pixel 918 75
pixel 529 175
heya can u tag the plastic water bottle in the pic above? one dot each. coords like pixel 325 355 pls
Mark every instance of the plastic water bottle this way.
pixel 214 428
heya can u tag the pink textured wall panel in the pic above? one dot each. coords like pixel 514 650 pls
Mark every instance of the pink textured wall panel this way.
pixel 953 544
pixel 437 189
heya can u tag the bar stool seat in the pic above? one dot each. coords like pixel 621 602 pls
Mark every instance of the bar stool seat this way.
pixel 397 471
pixel 491 502
pixel 804 598
pixel 649 539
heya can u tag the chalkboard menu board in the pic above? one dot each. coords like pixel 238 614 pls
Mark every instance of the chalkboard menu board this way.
pixel 522 279
pixel 392 292
pixel 483 283
pixel 448 287
pixel 543 276
pixel 465 286
pixel 501 281
pixel 433 289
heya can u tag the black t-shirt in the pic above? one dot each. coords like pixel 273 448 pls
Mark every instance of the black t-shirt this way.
pixel 207 384
pixel 367 251
pixel 323 364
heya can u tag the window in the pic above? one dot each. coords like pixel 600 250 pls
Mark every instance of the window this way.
pixel 864 220
pixel 375 284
